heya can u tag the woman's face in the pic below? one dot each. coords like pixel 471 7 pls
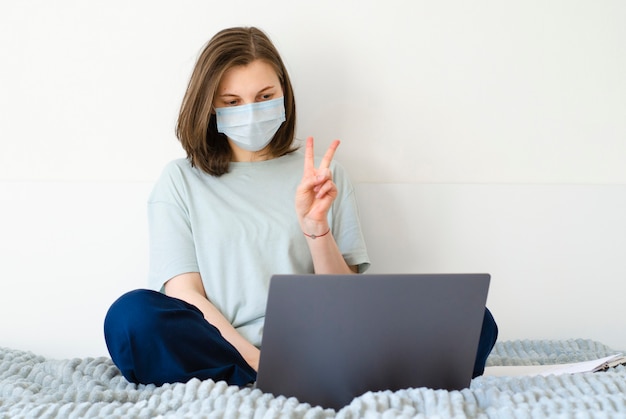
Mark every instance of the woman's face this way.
pixel 241 85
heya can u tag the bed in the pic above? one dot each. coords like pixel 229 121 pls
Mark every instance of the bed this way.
pixel 35 386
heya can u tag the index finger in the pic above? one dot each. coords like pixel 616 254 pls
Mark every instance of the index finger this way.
pixel 330 153
pixel 309 156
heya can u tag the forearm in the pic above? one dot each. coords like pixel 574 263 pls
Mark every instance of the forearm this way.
pixel 327 258
pixel 314 197
pixel 179 288
pixel 248 351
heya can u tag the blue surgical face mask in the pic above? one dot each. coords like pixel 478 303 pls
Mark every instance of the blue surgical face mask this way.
pixel 251 126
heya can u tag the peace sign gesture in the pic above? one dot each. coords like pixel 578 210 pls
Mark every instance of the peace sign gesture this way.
pixel 316 191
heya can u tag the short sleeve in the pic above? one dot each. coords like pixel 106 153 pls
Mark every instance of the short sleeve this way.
pixel 172 249
pixel 346 225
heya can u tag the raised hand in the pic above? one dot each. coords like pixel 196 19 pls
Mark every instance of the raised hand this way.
pixel 316 191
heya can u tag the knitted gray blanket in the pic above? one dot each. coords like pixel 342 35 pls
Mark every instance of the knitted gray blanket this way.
pixel 33 386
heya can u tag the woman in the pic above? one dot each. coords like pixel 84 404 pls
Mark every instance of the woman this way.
pixel 244 205
pixel 222 222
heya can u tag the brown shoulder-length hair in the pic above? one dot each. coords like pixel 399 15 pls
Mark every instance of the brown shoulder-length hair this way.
pixel 197 128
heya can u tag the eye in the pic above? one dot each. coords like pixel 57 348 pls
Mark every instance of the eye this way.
pixel 265 96
pixel 232 102
pixel 227 100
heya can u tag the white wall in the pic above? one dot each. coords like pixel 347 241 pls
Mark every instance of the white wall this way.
pixel 555 252
pixel 449 97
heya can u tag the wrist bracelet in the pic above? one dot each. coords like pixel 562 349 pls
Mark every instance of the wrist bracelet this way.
pixel 313 236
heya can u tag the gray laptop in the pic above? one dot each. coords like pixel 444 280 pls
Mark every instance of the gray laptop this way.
pixel 330 338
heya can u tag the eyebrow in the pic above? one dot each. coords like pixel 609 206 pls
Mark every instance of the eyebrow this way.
pixel 260 91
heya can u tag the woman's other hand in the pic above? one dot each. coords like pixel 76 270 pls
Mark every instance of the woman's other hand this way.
pixel 316 191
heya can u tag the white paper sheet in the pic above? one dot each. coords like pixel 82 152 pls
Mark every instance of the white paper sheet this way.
pixel 555 369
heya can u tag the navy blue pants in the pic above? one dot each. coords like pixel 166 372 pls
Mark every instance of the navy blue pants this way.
pixel 156 339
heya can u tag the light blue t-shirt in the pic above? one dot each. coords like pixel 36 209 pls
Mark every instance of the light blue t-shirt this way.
pixel 239 229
